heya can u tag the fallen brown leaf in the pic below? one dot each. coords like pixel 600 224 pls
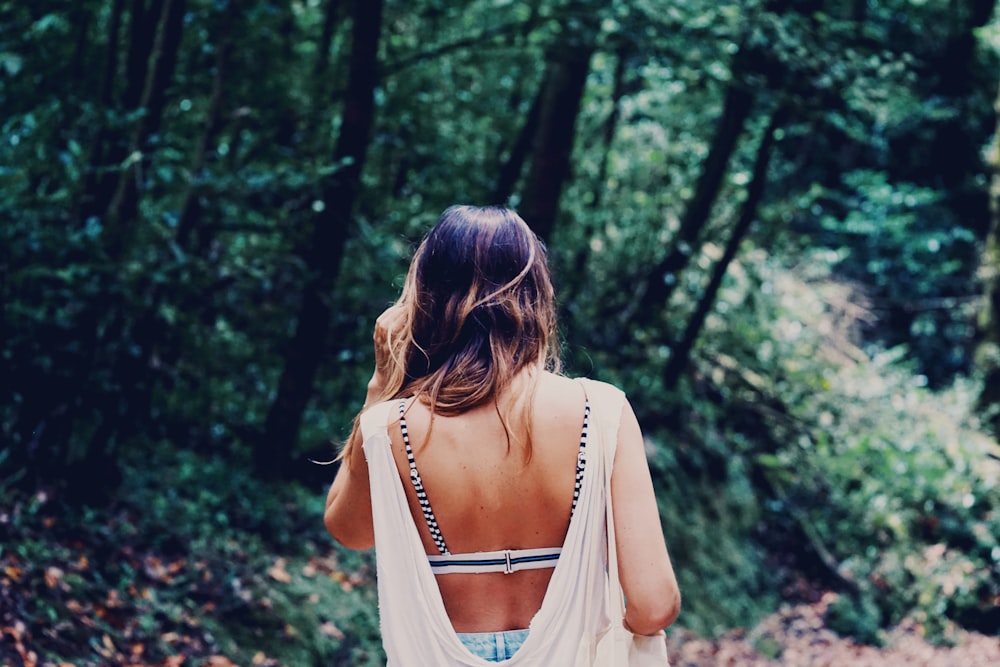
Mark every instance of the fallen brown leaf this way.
pixel 328 629
pixel 219 661
pixel 279 573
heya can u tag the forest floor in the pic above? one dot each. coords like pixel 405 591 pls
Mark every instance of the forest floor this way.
pixel 92 590
pixel 797 636
pixel 794 636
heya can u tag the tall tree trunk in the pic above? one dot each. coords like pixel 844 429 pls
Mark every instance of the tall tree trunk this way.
pixel 552 145
pixel 680 353
pixel 737 105
pixel 995 187
pixel 330 230
pixel 665 275
pixel 609 129
pixel 574 279
pixel 143 22
pixel 309 125
pixel 110 73
pixel 510 171
pixel 158 343
pixel 80 18
pixel 113 146
pixel 187 221
pixel 618 89
pixel 88 203
pixel 98 473
pixel 51 413
pixel 989 325
pixel 123 207
pixel 321 67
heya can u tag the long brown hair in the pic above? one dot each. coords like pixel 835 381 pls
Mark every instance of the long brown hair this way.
pixel 477 314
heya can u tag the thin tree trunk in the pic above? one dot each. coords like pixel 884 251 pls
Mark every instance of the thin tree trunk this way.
pixel 98 473
pixel 680 353
pixel 989 325
pixel 552 146
pixel 111 61
pixel 618 91
pixel 665 275
pixel 123 208
pixel 737 105
pixel 588 225
pixel 510 171
pixel 330 230
pixel 322 65
pixel 163 67
pixel 142 33
pixel 995 188
pixel 88 203
pixel 310 124
pixel 80 19
pixel 113 147
pixel 610 125
pixel 187 221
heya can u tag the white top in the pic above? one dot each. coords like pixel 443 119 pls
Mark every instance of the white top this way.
pixel 416 630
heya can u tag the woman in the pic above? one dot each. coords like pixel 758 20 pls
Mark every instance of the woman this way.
pixel 479 460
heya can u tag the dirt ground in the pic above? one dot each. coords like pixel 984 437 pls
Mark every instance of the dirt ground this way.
pixel 796 636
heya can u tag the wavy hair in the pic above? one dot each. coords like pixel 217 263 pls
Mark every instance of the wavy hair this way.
pixel 477 311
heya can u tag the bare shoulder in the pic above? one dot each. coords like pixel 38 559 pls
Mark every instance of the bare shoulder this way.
pixel 558 402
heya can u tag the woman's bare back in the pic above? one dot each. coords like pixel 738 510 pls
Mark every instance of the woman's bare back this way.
pixel 487 497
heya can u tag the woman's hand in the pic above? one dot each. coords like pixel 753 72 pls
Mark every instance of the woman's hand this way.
pixel 388 327
pixel 348 513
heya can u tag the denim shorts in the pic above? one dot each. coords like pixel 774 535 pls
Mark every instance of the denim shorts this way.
pixel 493 646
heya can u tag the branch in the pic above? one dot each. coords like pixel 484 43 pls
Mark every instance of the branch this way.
pixel 508 30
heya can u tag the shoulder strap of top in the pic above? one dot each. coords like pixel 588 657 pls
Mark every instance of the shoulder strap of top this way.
pixel 375 418
pixel 607 402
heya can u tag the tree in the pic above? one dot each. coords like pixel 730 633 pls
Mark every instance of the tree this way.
pixel 989 354
pixel 680 352
pixel 331 227
pixel 559 107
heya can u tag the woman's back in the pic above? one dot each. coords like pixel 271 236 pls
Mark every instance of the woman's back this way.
pixel 488 496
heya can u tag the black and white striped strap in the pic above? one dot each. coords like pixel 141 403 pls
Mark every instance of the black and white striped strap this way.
pixel 418 486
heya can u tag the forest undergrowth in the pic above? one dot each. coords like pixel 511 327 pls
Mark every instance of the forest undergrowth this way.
pixel 836 511
pixel 775 225
pixel 199 566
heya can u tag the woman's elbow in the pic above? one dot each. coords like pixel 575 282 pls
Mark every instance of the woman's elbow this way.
pixel 670 610
pixel 352 537
pixel 656 614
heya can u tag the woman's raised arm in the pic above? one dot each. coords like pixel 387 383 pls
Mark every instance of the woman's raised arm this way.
pixel 348 514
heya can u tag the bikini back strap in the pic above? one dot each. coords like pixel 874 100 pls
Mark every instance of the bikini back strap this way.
pixel 506 561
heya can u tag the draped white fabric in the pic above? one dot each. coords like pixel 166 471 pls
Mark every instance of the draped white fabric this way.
pixel 416 631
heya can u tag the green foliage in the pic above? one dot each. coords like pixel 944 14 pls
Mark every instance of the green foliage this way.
pixel 914 496
pixel 856 617
pixel 723 572
pixel 143 346
pixel 860 473
pixel 196 559
pixel 919 272
pixel 892 479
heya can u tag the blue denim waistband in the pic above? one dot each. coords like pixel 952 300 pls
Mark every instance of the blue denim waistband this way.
pixel 493 646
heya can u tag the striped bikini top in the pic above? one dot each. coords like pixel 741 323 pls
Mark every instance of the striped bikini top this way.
pixel 506 561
